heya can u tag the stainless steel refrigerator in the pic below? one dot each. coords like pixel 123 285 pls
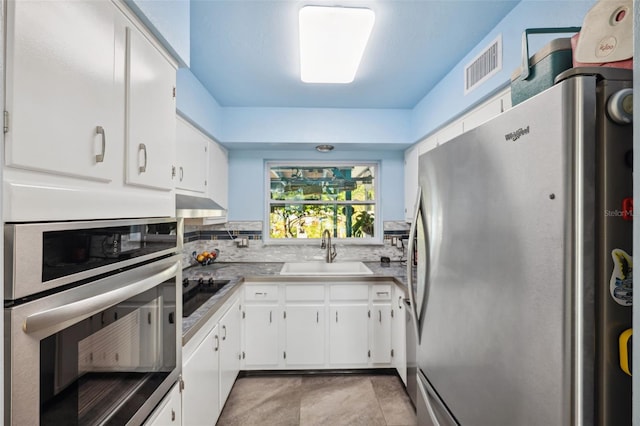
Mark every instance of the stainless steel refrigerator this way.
pixel 521 290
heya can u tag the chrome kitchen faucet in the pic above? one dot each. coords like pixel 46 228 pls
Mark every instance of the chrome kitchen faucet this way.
pixel 326 244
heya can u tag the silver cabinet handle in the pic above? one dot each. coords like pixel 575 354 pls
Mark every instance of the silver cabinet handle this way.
pixel 318 317
pixel 336 316
pixel 380 316
pixel 270 317
pixel 142 147
pixel 217 343
pixel 100 131
pixel 382 293
pixel 224 328
pixel 181 173
pixel 260 294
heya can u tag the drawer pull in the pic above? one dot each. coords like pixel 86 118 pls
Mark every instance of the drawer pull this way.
pixel 382 293
pixel 103 137
pixel 143 148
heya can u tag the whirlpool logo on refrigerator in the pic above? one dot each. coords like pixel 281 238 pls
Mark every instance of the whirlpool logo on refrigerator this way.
pixel 514 136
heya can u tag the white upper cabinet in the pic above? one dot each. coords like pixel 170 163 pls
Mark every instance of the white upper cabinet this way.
pixel 151 109
pixel 218 182
pixel 90 114
pixel 192 149
pixel 63 89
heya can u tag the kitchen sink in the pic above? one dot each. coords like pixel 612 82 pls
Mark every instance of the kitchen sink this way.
pixel 196 293
pixel 323 268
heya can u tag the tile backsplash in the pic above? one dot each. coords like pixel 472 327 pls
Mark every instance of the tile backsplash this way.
pixel 225 237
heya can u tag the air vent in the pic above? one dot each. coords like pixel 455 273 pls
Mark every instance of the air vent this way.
pixel 482 67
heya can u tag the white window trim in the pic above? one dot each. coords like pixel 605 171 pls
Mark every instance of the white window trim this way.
pixel 377 239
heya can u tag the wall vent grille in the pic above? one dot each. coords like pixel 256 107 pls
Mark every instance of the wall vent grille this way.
pixel 482 67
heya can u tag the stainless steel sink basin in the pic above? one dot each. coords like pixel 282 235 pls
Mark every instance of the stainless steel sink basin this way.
pixel 323 268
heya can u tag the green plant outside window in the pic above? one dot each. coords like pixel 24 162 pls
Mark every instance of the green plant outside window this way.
pixel 306 199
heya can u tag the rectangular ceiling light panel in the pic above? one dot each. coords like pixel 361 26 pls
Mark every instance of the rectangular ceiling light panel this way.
pixel 332 41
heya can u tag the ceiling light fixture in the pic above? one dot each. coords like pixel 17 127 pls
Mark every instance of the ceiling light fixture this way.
pixel 332 41
pixel 324 148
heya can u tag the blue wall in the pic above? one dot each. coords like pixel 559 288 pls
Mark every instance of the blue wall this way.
pixel 250 133
pixel 316 125
pixel 247 173
pixel 447 99
pixel 194 102
pixel 170 21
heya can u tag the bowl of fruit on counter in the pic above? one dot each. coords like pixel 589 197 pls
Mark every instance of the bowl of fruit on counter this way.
pixel 206 257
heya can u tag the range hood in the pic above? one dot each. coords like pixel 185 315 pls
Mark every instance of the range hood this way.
pixel 190 207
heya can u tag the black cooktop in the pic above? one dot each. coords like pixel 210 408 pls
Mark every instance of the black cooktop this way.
pixel 196 292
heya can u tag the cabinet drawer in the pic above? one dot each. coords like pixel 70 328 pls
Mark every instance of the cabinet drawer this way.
pixel 350 292
pixel 302 292
pixel 381 292
pixel 261 292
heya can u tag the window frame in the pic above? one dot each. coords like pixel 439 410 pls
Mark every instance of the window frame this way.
pixel 377 239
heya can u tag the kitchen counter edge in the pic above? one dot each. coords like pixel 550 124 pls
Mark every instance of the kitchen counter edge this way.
pixel 264 272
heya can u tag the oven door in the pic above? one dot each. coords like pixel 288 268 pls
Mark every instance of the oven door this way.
pixel 105 352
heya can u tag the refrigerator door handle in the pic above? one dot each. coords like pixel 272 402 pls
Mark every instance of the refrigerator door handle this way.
pixel 439 413
pixel 410 260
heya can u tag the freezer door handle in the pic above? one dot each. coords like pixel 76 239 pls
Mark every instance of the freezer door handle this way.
pixel 438 413
pixel 410 259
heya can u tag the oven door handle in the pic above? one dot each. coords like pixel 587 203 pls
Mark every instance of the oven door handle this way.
pixel 71 313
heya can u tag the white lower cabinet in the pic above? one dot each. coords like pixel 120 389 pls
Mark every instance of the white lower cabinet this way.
pixel 399 334
pixel 229 327
pixel 303 325
pixel 349 325
pixel 348 339
pixel 380 323
pixel 261 335
pixel 381 333
pixel 200 396
pixel 169 412
pixel 261 319
pixel 304 335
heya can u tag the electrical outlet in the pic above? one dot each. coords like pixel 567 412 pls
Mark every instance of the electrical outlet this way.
pixel 394 241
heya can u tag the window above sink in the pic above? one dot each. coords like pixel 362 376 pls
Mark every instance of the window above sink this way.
pixel 305 198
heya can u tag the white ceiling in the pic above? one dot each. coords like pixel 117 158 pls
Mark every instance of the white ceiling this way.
pixel 246 52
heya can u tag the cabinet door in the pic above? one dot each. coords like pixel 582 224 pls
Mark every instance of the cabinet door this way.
pixel 399 335
pixel 61 85
pixel 169 411
pixel 218 182
pixel 200 402
pixel 381 333
pixel 348 331
pixel 191 157
pixel 261 335
pixel 229 350
pixel 151 114
pixel 304 325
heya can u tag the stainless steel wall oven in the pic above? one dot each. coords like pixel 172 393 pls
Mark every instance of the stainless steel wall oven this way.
pixel 92 327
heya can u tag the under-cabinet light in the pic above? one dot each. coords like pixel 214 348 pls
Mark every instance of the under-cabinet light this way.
pixel 332 41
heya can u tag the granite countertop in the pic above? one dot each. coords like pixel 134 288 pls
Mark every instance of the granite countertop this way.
pixel 236 273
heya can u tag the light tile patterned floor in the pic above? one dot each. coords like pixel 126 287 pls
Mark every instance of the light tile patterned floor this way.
pixel 311 400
